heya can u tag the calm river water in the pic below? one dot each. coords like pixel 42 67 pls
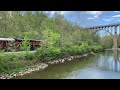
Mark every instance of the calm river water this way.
pixel 105 65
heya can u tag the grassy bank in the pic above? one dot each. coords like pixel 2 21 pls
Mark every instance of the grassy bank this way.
pixel 14 62
pixel 10 63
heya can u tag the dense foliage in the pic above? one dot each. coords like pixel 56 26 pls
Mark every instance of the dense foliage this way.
pixel 107 41
pixel 62 38
pixel 14 62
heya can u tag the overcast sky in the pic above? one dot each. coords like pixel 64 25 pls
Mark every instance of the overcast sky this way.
pixel 91 18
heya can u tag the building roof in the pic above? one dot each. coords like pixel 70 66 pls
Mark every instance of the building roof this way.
pixel 20 39
pixel 7 39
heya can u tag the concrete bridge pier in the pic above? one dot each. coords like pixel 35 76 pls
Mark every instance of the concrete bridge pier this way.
pixel 115 39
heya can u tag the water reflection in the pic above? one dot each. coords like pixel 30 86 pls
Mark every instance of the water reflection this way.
pixel 104 65
pixel 109 61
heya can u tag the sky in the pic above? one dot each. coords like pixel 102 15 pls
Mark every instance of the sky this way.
pixel 91 18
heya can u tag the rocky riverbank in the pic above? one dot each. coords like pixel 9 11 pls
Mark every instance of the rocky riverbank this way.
pixel 42 66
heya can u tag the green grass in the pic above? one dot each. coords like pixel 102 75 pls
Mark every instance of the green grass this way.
pixel 14 62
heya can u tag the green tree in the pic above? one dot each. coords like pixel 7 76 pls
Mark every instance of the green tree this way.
pixel 26 43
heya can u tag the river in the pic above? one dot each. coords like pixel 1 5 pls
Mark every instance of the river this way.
pixel 105 65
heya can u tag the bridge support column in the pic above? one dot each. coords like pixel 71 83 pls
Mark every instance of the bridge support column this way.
pixel 115 39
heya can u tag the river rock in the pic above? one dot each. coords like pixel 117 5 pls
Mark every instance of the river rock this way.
pixel 63 60
pixel 69 59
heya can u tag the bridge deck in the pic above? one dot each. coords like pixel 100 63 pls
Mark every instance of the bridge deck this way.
pixel 103 26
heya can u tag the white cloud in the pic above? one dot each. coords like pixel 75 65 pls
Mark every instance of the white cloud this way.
pixel 61 12
pixel 116 11
pixel 95 13
pixel 108 19
pixel 90 18
pixel 52 12
pixel 95 16
pixel 116 16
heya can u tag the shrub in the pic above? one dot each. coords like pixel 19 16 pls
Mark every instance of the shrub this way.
pixel 48 53
pixel 71 50
pixel 75 50
pixel 97 48
pixel 85 47
pixel 14 62
pixel 64 52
